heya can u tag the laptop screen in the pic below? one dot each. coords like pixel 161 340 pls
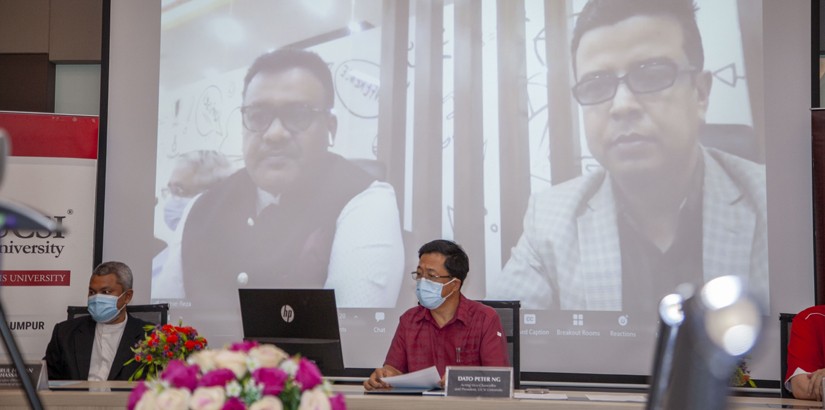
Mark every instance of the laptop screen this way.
pixel 299 321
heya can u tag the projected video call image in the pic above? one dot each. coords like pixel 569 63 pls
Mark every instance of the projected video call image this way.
pixel 633 160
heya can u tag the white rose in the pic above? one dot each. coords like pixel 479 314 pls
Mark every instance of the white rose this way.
pixel 314 399
pixel 147 401
pixel 173 399
pixel 289 366
pixel 207 398
pixel 235 361
pixel 267 355
pixel 267 403
pixel 205 359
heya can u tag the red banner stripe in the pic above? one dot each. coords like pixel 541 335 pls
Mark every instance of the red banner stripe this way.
pixel 35 278
pixel 51 135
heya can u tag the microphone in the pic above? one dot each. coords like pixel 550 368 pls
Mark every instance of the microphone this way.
pixel 722 323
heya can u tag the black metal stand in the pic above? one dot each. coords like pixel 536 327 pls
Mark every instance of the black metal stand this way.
pixel 16 216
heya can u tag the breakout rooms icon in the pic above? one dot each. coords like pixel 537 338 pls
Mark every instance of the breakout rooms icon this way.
pixel 578 319
pixel 287 314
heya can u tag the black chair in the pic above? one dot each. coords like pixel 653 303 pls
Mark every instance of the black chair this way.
pixel 509 312
pixel 156 313
pixel 785 320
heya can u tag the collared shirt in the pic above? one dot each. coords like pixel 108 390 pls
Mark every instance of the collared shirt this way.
pixel 648 270
pixel 806 346
pixel 473 337
pixel 104 349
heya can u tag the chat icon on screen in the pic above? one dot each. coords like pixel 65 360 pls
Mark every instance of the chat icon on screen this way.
pixel 379 316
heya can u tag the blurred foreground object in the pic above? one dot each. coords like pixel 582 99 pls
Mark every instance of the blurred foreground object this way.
pixel 721 324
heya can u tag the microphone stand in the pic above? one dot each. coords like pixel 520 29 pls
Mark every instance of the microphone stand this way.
pixel 16 216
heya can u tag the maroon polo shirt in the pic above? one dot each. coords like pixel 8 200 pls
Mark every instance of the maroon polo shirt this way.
pixel 473 337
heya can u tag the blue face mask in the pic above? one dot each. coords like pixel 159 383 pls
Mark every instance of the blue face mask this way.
pixel 103 308
pixel 429 293
pixel 173 210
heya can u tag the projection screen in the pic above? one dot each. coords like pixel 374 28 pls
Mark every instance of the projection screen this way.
pixel 463 112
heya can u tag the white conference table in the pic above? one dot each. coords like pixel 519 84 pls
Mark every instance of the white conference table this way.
pixel 97 398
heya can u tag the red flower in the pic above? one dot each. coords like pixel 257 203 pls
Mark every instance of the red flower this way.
pixel 173 338
pixel 190 345
pixel 149 358
pixel 169 354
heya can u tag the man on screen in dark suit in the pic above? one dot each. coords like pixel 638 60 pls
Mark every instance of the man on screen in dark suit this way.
pixel 95 347
pixel 664 209
pixel 445 329
pixel 297 215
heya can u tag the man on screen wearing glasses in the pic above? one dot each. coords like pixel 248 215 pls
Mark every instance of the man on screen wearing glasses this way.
pixel 664 210
pixel 297 215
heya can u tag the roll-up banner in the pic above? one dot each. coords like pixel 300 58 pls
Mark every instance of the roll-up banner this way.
pixel 51 168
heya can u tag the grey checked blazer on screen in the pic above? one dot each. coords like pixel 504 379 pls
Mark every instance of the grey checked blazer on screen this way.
pixel 569 256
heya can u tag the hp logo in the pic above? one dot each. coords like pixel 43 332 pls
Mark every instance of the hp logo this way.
pixel 287 314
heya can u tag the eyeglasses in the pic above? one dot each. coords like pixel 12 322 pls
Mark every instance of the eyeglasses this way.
pixel 645 77
pixel 294 117
pixel 418 275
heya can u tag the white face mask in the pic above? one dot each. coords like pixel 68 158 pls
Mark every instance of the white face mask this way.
pixel 173 210
pixel 429 293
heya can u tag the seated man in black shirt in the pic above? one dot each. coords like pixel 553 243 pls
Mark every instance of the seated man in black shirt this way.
pixel 95 347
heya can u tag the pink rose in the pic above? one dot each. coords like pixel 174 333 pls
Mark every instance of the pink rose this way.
pixel 337 402
pixel 272 379
pixel 244 346
pixel 136 394
pixel 308 375
pixel 234 403
pixel 217 377
pixel 179 375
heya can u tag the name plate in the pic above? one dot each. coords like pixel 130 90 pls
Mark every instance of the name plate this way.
pixel 472 381
pixel 9 379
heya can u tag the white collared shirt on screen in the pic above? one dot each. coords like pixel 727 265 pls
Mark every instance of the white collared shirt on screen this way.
pixel 366 261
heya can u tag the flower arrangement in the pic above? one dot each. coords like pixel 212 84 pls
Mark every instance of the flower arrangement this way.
pixel 742 376
pixel 163 344
pixel 243 376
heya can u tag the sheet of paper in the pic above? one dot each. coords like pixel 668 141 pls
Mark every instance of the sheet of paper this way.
pixel 539 396
pixel 426 378
pixel 616 397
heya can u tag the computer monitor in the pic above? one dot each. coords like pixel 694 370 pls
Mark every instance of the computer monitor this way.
pixel 299 321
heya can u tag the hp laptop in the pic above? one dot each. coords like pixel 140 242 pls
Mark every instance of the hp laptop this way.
pixel 299 321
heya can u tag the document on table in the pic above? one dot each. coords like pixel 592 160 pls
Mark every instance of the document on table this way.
pixel 423 379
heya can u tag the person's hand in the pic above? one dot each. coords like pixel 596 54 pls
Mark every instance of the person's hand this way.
pixel 815 384
pixel 374 382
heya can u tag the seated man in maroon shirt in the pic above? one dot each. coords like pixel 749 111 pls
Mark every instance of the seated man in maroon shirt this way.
pixel 445 329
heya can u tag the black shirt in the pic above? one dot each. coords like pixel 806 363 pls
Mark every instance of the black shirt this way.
pixel 648 273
